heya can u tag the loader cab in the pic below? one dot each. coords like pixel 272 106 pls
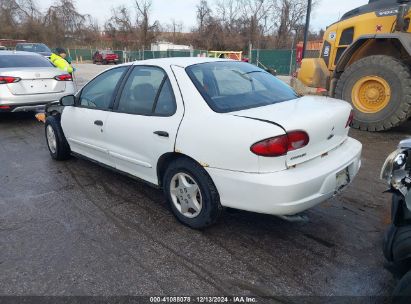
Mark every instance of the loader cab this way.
pixel 372 6
pixel 375 18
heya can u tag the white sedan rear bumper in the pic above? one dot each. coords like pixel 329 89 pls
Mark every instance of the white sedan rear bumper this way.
pixel 290 191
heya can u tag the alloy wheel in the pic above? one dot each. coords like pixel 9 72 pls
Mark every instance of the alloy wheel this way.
pixel 186 195
pixel 51 139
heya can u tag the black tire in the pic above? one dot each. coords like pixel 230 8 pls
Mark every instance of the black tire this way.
pixel 395 206
pixel 389 237
pixel 105 62
pixel 402 293
pixel 211 206
pixel 397 74
pixel 62 151
pixel 401 246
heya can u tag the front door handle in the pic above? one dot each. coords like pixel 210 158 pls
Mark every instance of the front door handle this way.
pixel 98 123
pixel 161 133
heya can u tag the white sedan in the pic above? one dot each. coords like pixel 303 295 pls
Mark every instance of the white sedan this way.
pixel 212 134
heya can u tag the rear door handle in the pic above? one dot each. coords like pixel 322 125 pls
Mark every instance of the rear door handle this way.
pixel 161 133
pixel 98 123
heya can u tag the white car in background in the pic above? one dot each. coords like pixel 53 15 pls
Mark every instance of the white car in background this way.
pixel 211 133
pixel 29 81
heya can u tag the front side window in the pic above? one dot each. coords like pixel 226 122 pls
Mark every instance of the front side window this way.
pixel 99 93
pixel 235 86
pixel 147 91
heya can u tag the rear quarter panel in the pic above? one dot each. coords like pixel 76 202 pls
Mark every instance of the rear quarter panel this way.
pixel 218 140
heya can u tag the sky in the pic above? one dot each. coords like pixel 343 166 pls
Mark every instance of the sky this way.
pixel 326 12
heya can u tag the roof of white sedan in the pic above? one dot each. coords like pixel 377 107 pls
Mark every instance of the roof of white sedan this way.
pixel 180 61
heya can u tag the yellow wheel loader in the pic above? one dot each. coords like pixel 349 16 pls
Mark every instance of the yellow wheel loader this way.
pixel 365 60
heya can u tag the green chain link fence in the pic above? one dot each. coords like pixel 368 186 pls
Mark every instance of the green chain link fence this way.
pixel 87 54
pixel 283 61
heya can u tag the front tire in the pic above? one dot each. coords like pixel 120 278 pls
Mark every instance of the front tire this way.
pixel 379 89
pixel 56 141
pixel 191 193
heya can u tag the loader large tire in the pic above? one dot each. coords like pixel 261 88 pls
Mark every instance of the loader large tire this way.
pixel 379 89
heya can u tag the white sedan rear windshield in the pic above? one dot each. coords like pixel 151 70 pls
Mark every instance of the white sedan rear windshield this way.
pixel 234 86
pixel 24 61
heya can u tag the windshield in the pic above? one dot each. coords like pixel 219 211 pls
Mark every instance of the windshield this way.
pixel 20 61
pixel 36 48
pixel 234 86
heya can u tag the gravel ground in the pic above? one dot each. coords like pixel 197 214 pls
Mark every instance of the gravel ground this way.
pixel 75 228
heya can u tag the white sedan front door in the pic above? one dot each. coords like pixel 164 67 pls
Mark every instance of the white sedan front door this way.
pixel 144 123
pixel 84 125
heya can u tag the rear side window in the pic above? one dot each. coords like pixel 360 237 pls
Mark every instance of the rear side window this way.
pixel 235 86
pixel 99 93
pixel 166 105
pixel 21 61
pixel 147 91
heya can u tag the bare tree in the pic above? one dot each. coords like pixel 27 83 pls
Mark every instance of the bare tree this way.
pixel 176 28
pixel 256 14
pixel 228 12
pixel 203 15
pixel 221 24
pixel 147 30
pixel 290 21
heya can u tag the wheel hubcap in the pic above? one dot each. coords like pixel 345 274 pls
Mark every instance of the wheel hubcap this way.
pixel 186 195
pixel 51 139
pixel 371 94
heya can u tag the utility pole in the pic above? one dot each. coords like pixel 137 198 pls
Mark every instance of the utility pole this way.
pixel 307 26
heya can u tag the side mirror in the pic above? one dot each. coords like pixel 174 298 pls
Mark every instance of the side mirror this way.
pixel 68 101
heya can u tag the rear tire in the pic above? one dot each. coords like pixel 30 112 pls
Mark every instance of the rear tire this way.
pixel 376 110
pixel 185 171
pixel 56 141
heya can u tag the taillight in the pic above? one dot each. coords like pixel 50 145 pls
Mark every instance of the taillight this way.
pixel 350 119
pixel 281 145
pixel 271 147
pixel 297 140
pixel 64 77
pixel 8 79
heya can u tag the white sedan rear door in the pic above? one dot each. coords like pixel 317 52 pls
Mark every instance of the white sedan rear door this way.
pixel 144 123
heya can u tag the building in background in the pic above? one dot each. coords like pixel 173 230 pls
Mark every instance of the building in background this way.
pixel 164 46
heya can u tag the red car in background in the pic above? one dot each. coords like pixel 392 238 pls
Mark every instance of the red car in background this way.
pixel 105 57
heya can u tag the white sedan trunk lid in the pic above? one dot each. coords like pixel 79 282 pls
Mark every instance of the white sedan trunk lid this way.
pixel 324 119
pixel 34 81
